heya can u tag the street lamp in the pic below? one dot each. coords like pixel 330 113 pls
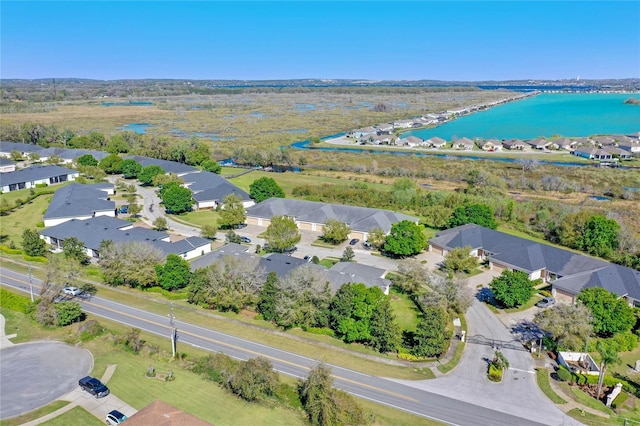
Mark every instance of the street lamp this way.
pixel 174 331
pixel 31 283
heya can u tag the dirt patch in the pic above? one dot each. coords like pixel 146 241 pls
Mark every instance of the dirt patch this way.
pixel 247 314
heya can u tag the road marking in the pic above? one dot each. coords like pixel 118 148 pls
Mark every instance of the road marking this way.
pixel 522 371
pixel 230 345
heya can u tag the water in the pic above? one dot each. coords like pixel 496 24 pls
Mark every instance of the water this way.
pixel 599 198
pixel 138 103
pixel 545 115
pixel 139 128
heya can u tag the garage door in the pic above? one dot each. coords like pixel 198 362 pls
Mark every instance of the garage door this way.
pixel 498 267
pixel 437 250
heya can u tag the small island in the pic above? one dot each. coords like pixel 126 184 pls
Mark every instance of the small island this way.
pixel 632 101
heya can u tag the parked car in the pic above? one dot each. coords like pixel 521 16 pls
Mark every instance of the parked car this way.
pixel 354 242
pixel 72 291
pixel 307 258
pixel 94 386
pixel 124 209
pixel 115 417
pixel 546 302
pixel 245 240
pixel 366 245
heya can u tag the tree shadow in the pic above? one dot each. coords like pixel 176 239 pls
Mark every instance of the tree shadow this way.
pixel 486 295
pixel 526 331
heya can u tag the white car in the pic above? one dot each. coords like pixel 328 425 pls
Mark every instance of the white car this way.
pixel 72 291
pixel 115 418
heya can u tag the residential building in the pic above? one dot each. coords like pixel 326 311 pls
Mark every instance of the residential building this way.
pixel 78 201
pixel 29 177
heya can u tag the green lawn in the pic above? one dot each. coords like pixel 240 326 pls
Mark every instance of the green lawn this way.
pixel 21 218
pixel 77 416
pixel 35 414
pixel 542 376
pixel 198 218
pixel 405 310
pixel 579 396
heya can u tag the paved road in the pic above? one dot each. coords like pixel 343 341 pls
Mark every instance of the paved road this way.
pixel 438 404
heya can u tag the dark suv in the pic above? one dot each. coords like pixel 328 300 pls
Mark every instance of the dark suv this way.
pixel 94 386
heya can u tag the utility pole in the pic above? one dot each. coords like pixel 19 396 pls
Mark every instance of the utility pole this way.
pixel 31 283
pixel 174 331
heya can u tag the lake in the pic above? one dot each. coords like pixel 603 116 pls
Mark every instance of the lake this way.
pixel 545 115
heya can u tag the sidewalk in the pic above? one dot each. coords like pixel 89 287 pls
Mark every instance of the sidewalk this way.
pixel 4 339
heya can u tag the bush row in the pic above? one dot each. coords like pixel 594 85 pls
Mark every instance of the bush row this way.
pixel 168 294
pixel 9 250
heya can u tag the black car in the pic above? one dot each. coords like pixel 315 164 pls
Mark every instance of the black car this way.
pixel 354 242
pixel 94 386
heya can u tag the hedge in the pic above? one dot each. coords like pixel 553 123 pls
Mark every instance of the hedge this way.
pixel 564 375
pixel 38 259
pixel 14 301
pixel 168 294
pixel 620 400
pixel 495 373
pixel 8 250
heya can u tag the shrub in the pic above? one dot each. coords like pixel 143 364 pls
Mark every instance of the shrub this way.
pixel 9 250
pixel 13 301
pixel 410 357
pixel 319 330
pixel 39 259
pixel 90 330
pixel 563 374
pixel 41 185
pixel 495 373
pixel 168 294
pixel 40 224
pixel 545 293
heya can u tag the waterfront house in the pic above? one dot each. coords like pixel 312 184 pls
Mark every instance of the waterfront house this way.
pixel 490 145
pixel 566 144
pixel 209 189
pixel 360 133
pixel 463 143
pixel 411 141
pixel 514 144
pixel 632 147
pixel 384 128
pixel 436 142
pixel 618 152
pixel 29 177
pixel 540 143
pixel 403 124
pixel 592 153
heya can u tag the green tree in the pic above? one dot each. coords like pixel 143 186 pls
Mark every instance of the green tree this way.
pixel 512 288
pixel 568 325
pixel 32 244
pixel 348 255
pixel 480 214
pixel 316 394
pixel 611 315
pixel 162 180
pixel 74 249
pixel 176 198
pixel 211 166
pixel 131 263
pixel 403 191
pixel 431 337
pixel 174 274
pixel 232 212
pixel 160 224
pixel 134 209
pixel 268 296
pixel 460 260
pixel 130 169
pixel 282 234
pixel 335 231
pixel 197 153
pixel 209 230
pixel 383 328
pixel 146 175
pixel 572 227
pixel 87 160
pixel 111 164
pixel 68 313
pixel 600 237
pixel 232 237
pixel 255 379
pixel 351 310
pixel 608 356
pixel 405 239
pixel 376 237
pixel 265 188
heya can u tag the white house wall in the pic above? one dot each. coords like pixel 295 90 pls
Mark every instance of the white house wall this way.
pixel 59 220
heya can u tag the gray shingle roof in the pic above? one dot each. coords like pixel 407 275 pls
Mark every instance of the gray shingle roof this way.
pixel 77 199
pixel 230 249
pixel 575 271
pixel 210 186
pixel 18 146
pixel 34 173
pixel 358 218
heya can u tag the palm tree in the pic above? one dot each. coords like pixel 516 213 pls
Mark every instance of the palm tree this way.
pixel 608 356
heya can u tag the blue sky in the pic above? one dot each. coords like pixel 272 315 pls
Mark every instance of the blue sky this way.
pixel 353 40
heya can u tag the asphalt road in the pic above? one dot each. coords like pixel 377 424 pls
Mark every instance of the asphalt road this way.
pixel 426 403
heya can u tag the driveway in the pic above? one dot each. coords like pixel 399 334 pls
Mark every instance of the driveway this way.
pixel 517 394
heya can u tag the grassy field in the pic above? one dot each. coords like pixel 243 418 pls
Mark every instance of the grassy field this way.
pixel 35 414
pixel 77 416
pixel 21 218
pixel 542 377
pixel 130 384
pixel 198 218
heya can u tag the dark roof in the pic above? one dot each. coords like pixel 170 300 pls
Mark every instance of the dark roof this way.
pixel 102 228
pixel 281 264
pixel 167 166
pixel 18 146
pixel 77 199
pixel 210 186
pixel 230 249
pixel 575 271
pixel 6 161
pixel 358 218
pixel 33 173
